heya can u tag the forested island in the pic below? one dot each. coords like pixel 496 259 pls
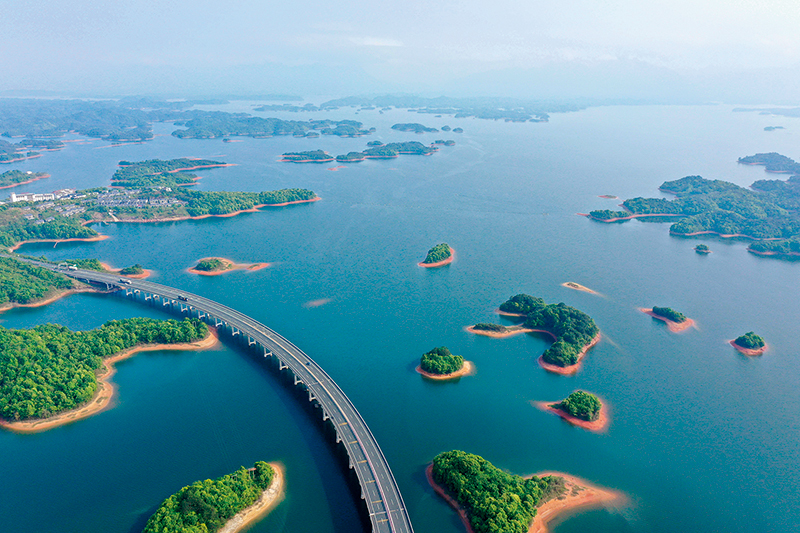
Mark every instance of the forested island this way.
pixel 439 255
pixel 702 249
pixel 13 178
pixel 160 173
pixel 50 369
pixel 213 125
pixel 440 363
pixel 749 344
pixel 490 500
pixel 231 501
pixel 11 153
pixel 675 320
pixel 414 127
pixel 768 212
pixel 387 151
pixel 580 408
pixel 214 266
pixel 574 331
pixel 312 156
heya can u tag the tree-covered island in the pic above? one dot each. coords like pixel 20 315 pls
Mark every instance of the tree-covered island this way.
pixel 160 173
pixel 206 506
pixel 387 151
pixel 574 331
pixel 702 249
pixel 414 127
pixel 49 369
pixel 749 344
pixel 13 178
pixel 607 215
pixel 213 125
pixel 211 264
pixel 439 255
pixel 582 409
pixel 669 314
pixel 440 363
pixel 675 320
pixel 312 156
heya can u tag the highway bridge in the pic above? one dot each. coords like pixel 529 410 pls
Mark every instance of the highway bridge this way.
pixel 379 490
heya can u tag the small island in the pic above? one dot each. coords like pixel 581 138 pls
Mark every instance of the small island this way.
pixel 676 322
pixel 414 127
pixel 578 287
pixel 136 271
pixel 214 266
pixel 440 364
pixel 608 196
pixel 313 156
pixel 749 344
pixel 387 151
pixel 582 409
pixel 702 249
pixel 773 128
pixel 375 143
pixel 458 130
pixel 490 500
pixel 439 255
pixel 54 376
pixel 224 505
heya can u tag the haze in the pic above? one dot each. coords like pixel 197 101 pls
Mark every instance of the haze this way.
pixel 719 50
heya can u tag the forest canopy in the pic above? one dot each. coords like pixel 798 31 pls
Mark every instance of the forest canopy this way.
pixel 440 361
pixel 580 404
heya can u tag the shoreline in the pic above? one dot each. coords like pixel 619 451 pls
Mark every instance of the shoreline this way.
pixel 749 351
pixel 48 300
pixel 228 266
pixel 509 331
pixel 578 287
pixel 443 262
pixel 571 369
pixel 674 327
pixel 106 390
pixel 774 254
pixel 580 494
pixel 597 426
pixel 43 176
pixel 327 160
pixel 506 313
pixel 270 497
pixel 144 275
pixel 96 238
pixel 467 369
pixel 631 217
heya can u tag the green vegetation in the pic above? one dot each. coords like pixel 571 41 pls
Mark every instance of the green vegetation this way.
pixel 205 506
pixel 773 161
pixel 50 369
pixel 415 127
pixel 495 501
pixel 25 283
pixel 375 143
pixel 487 326
pixel 580 404
pixel 669 314
pixel 440 361
pixel 521 304
pixel 386 151
pixel 440 252
pixel 212 125
pixel 750 340
pixel 13 177
pixel 134 270
pixel 702 249
pixel 314 155
pixel 210 265
pixel 607 214
pixel 787 248
pixel 773 128
pixel 158 172
pixel 85 264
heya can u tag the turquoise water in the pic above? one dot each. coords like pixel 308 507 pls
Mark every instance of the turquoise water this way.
pixel 702 439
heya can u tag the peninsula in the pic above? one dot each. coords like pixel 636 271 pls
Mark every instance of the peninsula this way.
pixel 387 151
pixel 214 266
pixel 440 364
pixel 161 173
pixel 54 376
pixel 439 255
pixel 490 500
pixel 497 331
pixel 676 322
pixel 14 178
pixel 581 409
pixel 749 344
pixel 224 505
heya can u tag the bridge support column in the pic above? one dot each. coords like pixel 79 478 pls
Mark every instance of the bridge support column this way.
pixel 165 302
pixel 325 415
pixel 281 366
pixel 311 396
pixel 297 380
pixel 234 331
pixel 266 353
pixel 250 341
pixel 148 297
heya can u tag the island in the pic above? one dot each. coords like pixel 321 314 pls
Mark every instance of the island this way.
pixel 676 322
pixel 313 156
pixel 490 500
pixel 573 331
pixel 773 128
pixel 749 344
pixel 161 173
pixel 214 125
pixel 414 127
pixel 15 178
pixel 214 266
pixel 578 287
pixel 608 196
pixel 702 249
pixel 224 505
pixel 439 255
pixel 582 409
pixel 458 130
pixel 440 364
pixel 375 143
pixel 387 151
pixel 497 331
pixel 54 376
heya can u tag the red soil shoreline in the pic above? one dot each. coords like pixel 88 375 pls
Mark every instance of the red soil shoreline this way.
pixel 201 166
pixel 467 369
pixel 442 262
pixel 21 159
pixel 510 331
pixel 76 239
pixel 326 160
pixel 449 499
pixel 144 275
pixel 598 426
pixel 674 327
pixel 50 299
pixel 616 219
pixel 578 287
pixel 748 351
pixel 571 369
pixel 769 254
pixel 253 209
pixel 37 178
pixel 505 313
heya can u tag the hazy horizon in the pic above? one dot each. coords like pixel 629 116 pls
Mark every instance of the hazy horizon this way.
pixel 742 52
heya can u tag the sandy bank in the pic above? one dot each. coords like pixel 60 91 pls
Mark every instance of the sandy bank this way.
pixel 146 274
pixel 271 497
pixel 56 295
pixel 37 178
pixel 571 369
pixel 580 495
pixel 578 287
pixel 316 303
pixel 508 332
pixel 748 351
pixel 105 389
pixel 336 168
pixel 442 262
pixel 56 241
pixel 467 369
pixel 227 266
pixel 674 327
pixel 609 196
pixel 597 426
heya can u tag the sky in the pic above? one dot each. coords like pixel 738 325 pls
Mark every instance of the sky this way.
pixel 713 49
